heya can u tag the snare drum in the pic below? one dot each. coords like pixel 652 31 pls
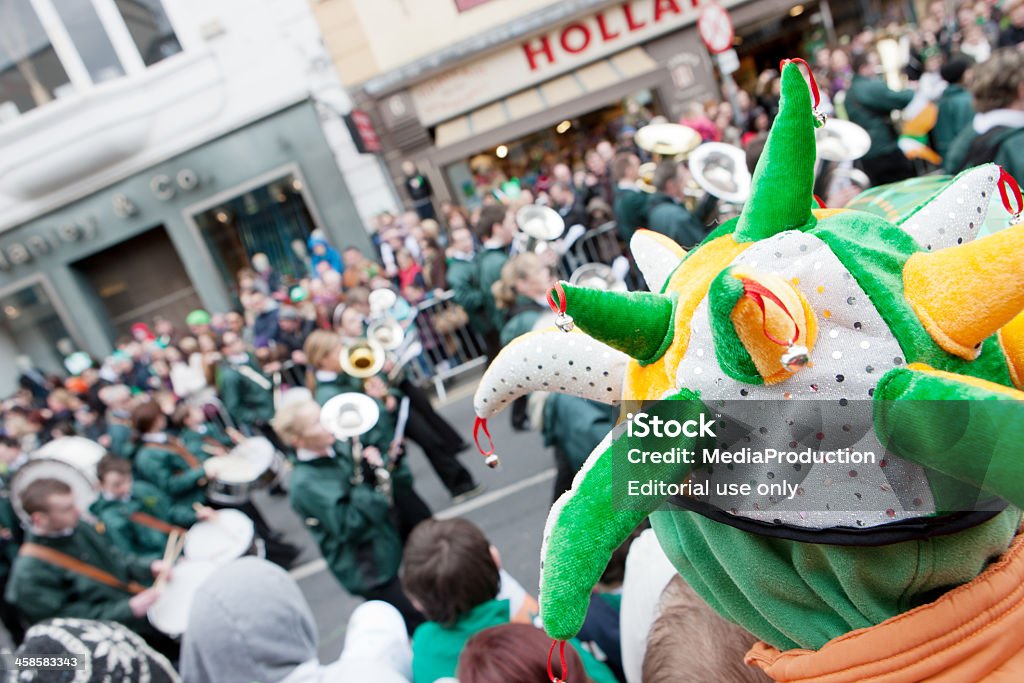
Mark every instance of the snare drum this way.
pixel 249 466
pixel 227 537
pixel 169 614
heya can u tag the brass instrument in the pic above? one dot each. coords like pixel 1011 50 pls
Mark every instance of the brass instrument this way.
pixel 538 225
pixel 381 301
pixel 362 358
pixel 349 416
pixel 597 276
pixel 669 140
pixel 645 181
pixel 840 140
pixel 387 332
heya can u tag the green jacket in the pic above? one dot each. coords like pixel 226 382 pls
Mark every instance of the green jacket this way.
pixel 195 440
pixel 40 590
pixel 956 112
pixel 122 439
pixel 630 208
pixel 462 280
pixel 135 538
pixel 522 317
pixel 489 263
pixel 350 523
pixel 869 104
pixel 1009 146
pixel 170 473
pixel 436 648
pixel 576 426
pixel 11 533
pixel 670 218
pixel 245 400
pixel 342 384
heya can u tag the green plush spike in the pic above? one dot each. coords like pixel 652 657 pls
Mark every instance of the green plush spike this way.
pixel 639 324
pixel 591 521
pixel 967 432
pixel 782 188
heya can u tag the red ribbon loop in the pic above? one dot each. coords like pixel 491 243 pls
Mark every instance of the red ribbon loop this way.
pixel 820 202
pixel 1008 186
pixel 561 655
pixel 557 307
pixel 810 74
pixel 481 422
pixel 758 293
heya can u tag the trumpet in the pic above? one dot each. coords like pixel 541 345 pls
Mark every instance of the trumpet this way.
pixel 362 358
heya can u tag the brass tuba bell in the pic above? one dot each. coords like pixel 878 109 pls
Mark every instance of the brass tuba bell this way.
pixel 387 332
pixel 362 358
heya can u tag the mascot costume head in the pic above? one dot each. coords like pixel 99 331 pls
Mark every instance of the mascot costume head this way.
pixel 788 303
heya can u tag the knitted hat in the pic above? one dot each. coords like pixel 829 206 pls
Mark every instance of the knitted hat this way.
pixel 111 653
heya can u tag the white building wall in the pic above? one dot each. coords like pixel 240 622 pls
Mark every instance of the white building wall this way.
pixel 242 59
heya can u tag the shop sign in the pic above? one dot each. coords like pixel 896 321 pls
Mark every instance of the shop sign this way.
pixel 543 57
pixel 360 126
pixel 47 241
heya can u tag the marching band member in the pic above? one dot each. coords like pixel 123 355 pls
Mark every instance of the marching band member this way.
pixel 351 522
pixel 200 435
pixel 67 568
pixel 248 395
pixel 138 517
pixel 11 532
pixel 165 462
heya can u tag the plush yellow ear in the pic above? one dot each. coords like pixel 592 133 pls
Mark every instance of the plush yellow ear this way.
pixel 753 326
pixel 964 294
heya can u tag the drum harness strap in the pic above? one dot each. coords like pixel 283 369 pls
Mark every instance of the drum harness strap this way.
pixel 76 566
pixel 175 446
pixel 152 522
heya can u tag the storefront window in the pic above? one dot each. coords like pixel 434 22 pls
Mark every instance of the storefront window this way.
pixel 150 28
pixel 87 33
pixel 29 326
pixel 30 72
pixel 527 162
pixel 272 219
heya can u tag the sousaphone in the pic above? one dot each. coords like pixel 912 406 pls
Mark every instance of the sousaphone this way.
pixel 667 139
pixel 840 140
pixel 721 171
pixel 597 276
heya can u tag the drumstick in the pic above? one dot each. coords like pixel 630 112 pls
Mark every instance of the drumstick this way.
pixel 171 549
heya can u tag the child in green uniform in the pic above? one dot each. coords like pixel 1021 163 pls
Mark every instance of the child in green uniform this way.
pixel 164 461
pixel 137 516
pixel 200 435
pixel 118 439
pixel 44 584
pixel 323 353
pixel 452 573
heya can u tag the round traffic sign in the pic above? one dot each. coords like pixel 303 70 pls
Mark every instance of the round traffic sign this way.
pixel 715 28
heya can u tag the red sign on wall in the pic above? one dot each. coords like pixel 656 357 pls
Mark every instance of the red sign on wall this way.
pixel 363 133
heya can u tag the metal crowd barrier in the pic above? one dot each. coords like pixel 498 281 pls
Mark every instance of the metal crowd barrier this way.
pixel 448 352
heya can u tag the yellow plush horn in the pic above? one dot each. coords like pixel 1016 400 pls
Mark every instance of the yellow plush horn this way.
pixel 964 294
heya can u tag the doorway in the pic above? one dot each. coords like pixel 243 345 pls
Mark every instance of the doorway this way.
pixel 141 278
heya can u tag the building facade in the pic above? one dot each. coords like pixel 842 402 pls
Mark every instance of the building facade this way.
pixel 148 148
pixel 469 89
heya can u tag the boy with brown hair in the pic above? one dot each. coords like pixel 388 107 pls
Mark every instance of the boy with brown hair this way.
pixel 452 574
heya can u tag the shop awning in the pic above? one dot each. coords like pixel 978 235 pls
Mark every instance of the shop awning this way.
pixel 555 96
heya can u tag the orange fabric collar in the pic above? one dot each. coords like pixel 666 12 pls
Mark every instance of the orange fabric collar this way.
pixel 975 632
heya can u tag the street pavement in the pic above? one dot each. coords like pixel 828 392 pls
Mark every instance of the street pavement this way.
pixel 511 512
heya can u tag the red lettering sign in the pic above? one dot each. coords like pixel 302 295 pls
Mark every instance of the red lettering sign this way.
pixel 631 23
pixel 580 43
pixel 543 49
pixel 602 24
pixel 363 133
pixel 663 6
